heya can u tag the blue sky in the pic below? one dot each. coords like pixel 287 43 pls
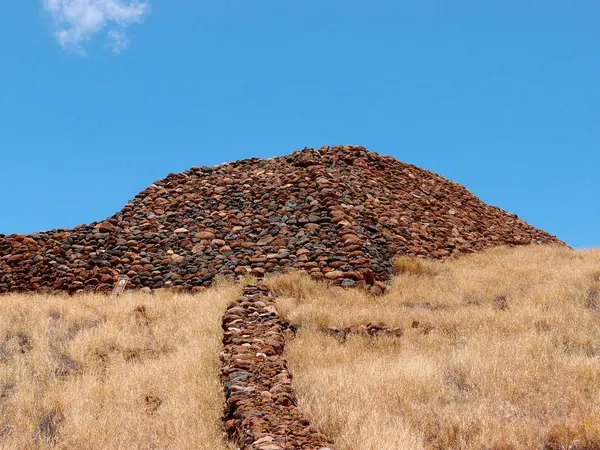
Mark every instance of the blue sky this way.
pixel 99 98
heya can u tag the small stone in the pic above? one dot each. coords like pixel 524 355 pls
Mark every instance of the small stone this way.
pixel 207 235
pixel 263 439
pixel 258 259
pixel 348 283
pixel 265 241
pixel 334 275
pixel 107 227
pixel 259 271
pixel 350 239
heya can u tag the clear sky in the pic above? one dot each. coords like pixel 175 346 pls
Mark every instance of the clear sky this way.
pixel 99 98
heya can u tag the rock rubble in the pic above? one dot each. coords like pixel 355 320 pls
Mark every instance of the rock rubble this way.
pixel 368 330
pixel 261 411
pixel 339 213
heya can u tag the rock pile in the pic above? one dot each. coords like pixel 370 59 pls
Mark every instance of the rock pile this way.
pixel 261 410
pixel 339 213
pixel 368 330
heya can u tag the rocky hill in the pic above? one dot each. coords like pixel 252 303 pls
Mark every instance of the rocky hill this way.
pixel 340 213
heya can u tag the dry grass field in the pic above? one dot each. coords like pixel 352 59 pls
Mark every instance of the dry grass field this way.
pixel 94 372
pixel 500 350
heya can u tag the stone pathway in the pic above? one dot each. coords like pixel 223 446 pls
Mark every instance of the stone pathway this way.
pixel 261 411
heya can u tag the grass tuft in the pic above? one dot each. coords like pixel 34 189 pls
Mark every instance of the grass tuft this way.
pixel 404 265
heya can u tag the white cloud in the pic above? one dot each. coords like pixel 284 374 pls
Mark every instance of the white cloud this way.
pixel 118 41
pixel 78 20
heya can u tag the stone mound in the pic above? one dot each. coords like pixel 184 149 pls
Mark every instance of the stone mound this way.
pixel 339 213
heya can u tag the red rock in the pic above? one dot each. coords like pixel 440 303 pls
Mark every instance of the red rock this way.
pixel 15 258
pixel 106 227
pixel 208 235
pixel 334 275
pixel 265 241
pixel 350 238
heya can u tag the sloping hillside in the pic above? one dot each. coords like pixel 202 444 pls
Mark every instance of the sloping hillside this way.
pixel 496 350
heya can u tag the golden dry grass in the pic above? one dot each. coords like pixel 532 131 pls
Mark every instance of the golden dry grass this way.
pixel 406 265
pixel 501 350
pixel 94 372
